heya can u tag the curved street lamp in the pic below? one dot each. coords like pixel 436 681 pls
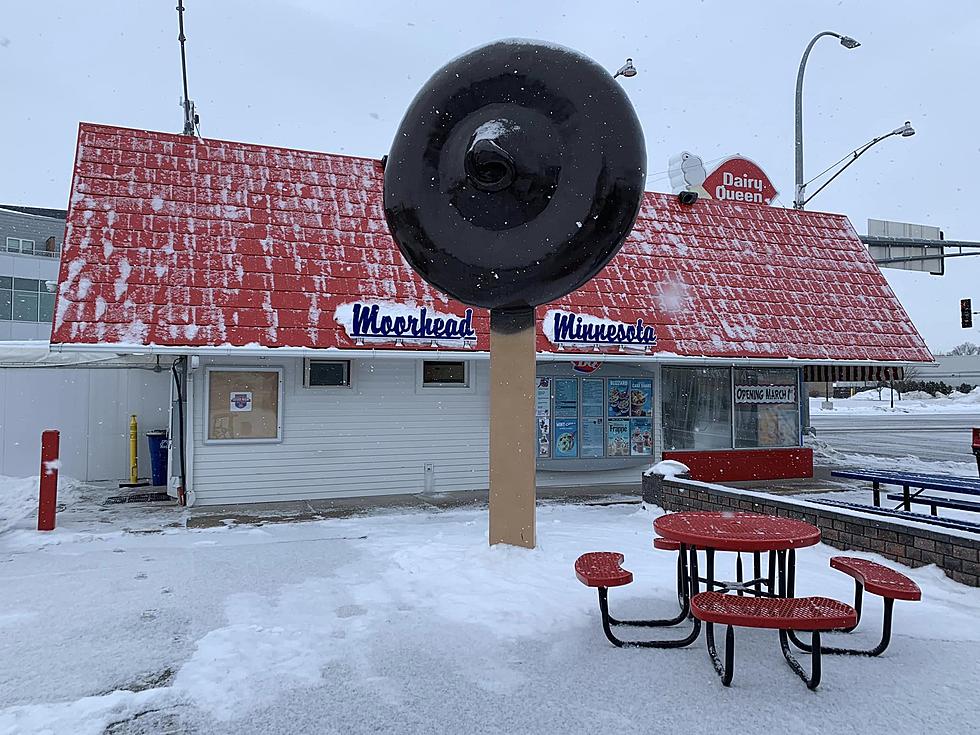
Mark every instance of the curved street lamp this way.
pixel 626 70
pixel 905 131
pixel 848 43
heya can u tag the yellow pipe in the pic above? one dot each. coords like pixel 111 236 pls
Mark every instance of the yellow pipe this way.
pixel 133 472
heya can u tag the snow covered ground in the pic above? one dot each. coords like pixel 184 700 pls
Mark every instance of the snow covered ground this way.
pixel 874 401
pixel 409 623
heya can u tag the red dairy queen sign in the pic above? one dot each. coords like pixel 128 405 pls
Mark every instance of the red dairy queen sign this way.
pixel 735 179
pixel 738 179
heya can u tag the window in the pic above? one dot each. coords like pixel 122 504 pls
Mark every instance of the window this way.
pixel 19 245
pixel 244 405
pixel 767 408
pixel 697 407
pixel 25 300
pixel 326 374
pixel 594 418
pixel 45 307
pixel 444 374
pixel 6 303
pixel 25 306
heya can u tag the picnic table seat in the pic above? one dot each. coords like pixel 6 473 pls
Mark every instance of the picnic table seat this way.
pixel 602 570
pixel 814 614
pixel 935 501
pixel 879 580
pixel 903 515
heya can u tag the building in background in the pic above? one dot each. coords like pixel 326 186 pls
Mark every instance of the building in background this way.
pixel 30 248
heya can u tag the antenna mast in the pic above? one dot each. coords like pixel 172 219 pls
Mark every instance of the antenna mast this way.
pixel 191 119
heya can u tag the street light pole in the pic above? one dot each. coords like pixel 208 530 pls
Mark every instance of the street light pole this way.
pixel 846 42
pixel 906 131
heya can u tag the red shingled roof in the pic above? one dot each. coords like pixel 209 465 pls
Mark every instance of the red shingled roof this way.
pixel 176 241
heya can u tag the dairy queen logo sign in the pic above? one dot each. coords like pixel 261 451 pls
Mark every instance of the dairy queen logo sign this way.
pixel 585 366
pixel 736 179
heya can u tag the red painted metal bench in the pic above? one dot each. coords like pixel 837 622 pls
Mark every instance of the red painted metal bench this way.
pixel 602 570
pixel 814 614
pixel 877 579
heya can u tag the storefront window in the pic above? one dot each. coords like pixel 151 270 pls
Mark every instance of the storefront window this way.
pixel 593 418
pixel 697 408
pixel 767 408
pixel 244 404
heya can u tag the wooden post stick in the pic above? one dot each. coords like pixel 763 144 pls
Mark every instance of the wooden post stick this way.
pixel 513 439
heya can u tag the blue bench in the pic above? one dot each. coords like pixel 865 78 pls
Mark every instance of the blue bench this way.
pixel 903 515
pixel 935 501
pixel 909 480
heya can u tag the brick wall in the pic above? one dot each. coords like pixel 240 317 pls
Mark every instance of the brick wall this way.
pixel 957 555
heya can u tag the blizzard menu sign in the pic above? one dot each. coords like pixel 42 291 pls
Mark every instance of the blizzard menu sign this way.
pixel 765 394
pixel 568 328
pixel 389 322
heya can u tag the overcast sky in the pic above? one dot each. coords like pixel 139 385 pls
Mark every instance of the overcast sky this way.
pixel 715 78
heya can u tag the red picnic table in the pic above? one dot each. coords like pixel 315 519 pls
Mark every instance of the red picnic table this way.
pixel 740 531
pixel 774 607
pixel 690 532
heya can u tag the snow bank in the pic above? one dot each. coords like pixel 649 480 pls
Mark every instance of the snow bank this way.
pixel 18 498
pixel 667 468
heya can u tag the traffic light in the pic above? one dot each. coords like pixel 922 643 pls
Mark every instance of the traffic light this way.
pixel 966 313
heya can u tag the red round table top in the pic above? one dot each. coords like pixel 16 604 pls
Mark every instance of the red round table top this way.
pixel 736 531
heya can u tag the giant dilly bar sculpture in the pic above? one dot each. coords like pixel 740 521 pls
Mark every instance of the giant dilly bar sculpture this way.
pixel 515 176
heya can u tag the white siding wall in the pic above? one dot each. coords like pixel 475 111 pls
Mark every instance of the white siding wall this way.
pixel 374 438
pixel 91 409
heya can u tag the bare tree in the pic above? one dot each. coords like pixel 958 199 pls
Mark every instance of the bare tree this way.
pixel 967 348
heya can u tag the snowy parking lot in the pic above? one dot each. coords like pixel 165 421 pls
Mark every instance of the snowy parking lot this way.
pixel 409 623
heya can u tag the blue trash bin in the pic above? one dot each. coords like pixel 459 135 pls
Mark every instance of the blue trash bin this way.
pixel 158 455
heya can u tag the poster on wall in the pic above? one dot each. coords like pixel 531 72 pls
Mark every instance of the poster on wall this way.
pixel 619 398
pixel 542 410
pixel 544 436
pixel 641 398
pixel 592 398
pixel 592 437
pixel 618 438
pixel 641 437
pixel 241 400
pixel 566 398
pixel 566 438
pixel 775 427
pixel 765 394
pixel 542 397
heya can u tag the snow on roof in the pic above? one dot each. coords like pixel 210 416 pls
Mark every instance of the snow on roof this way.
pixel 186 242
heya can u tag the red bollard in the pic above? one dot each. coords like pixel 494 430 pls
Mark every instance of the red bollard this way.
pixel 976 447
pixel 48 498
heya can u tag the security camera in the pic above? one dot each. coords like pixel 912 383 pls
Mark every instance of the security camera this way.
pixel 687 197
pixel 51 286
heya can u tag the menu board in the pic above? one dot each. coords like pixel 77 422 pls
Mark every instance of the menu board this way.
pixel 618 394
pixel 592 437
pixel 542 410
pixel 617 438
pixel 566 438
pixel 566 398
pixel 641 437
pixel 641 398
pixel 592 398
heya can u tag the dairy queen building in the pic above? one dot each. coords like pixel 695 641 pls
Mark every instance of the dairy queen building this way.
pixel 309 361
